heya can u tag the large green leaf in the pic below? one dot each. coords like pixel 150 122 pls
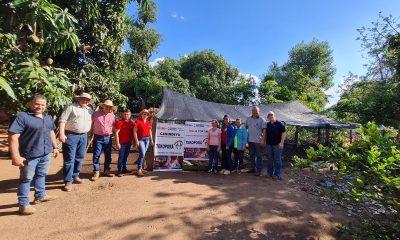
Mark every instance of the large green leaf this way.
pixel 6 87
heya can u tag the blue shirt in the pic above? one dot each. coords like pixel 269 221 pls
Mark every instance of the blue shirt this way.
pixel 35 138
pixel 274 132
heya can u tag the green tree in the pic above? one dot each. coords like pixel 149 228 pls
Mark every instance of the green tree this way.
pixel 305 76
pixel 169 71
pixel 143 42
pixel 33 32
pixel 210 76
pixel 376 95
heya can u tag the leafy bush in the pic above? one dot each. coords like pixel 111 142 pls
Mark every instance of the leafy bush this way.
pixel 372 169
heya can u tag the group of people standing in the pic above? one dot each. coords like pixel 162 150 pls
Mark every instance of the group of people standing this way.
pixel 32 140
pixel 259 137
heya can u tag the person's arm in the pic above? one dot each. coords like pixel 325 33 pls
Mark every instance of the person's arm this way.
pixel 135 139
pixel 54 143
pixel 245 139
pixel 219 141
pixel 264 135
pixel 63 119
pixel 13 148
pixel 117 143
pixel 208 141
pixel 283 137
pixel 62 135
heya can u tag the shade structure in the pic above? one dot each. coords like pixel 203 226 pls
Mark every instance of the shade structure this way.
pixel 179 107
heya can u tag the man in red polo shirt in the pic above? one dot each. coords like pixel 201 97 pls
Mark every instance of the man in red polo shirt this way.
pixel 123 137
pixel 142 137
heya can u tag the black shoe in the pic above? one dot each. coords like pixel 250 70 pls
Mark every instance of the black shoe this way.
pixel 257 174
pixel 126 171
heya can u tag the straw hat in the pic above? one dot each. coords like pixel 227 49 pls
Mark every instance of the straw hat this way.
pixel 144 111
pixel 108 103
pixel 84 95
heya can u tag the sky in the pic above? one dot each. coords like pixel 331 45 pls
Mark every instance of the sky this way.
pixel 252 34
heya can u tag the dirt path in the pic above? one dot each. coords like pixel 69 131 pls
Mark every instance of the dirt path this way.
pixel 185 205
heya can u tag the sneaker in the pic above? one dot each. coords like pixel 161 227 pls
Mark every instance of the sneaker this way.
pixel 215 171
pixel 46 198
pixel 77 180
pixel 108 173
pixel 27 210
pixel 227 172
pixel 126 171
pixel 209 171
pixel 279 177
pixel 140 173
pixel 144 171
pixel 96 176
pixel 67 187
pixel 120 174
pixel 222 171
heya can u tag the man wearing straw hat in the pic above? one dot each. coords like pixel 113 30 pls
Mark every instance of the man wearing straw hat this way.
pixel 102 125
pixel 142 138
pixel 75 123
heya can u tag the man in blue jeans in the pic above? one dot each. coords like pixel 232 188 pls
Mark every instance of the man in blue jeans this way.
pixel 75 123
pixel 124 138
pixel 32 140
pixel 276 134
pixel 103 122
pixel 256 128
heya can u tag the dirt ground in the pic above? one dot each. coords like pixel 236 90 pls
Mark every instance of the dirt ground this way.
pixel 180 205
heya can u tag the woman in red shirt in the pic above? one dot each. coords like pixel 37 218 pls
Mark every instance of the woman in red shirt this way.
pixel 142 137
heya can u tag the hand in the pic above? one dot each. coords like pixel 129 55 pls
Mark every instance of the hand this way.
pixel 62 138
pixel 280 145
pixel 227 147
pixel 246 146
pixel 56 152
pixel 218 149
pixel 118 146
pixel 262 144
pixel 151 143
pixel 18 161
pixel 135 143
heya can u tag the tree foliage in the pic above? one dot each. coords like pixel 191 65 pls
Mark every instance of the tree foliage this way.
pixel 376 95
pixel 38 44
pixel 305 76
pixel 210 76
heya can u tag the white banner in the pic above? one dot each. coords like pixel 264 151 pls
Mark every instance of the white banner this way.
pixel 169 139
pixel 196 140
pixel 196 134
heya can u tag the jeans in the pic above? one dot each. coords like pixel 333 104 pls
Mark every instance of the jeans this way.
pixel 274 160
pixel 143 145
pixel 123 156
pixel 99 143
pixel 238 155
pixel 255 151
pixel 74 150
pixel 35 169
pixel 213 158
pixel 226 157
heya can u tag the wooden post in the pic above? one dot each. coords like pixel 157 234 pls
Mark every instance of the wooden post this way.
pixel 319 134
pixel 327 133
pixel 351 135
pixel 296 136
